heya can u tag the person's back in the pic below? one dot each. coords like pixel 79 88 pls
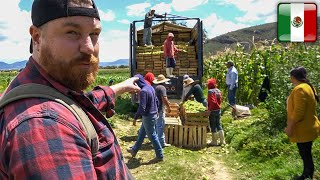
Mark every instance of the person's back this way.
pixel 214 99
pixel 160 92
pixel 214 106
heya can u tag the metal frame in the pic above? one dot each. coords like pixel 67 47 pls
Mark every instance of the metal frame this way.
pixel 168 17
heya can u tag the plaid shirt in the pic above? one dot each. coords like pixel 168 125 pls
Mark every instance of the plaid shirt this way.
pixel 41 139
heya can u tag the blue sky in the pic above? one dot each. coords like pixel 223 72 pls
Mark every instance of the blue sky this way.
pixel 218 16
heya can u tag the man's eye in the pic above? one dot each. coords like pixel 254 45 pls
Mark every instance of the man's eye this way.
pixel 95 34
pixel 72 33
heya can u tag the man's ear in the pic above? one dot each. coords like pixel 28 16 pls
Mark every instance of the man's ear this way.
pixel 35 35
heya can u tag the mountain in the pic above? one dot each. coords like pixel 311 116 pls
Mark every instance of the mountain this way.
pixel 118 62
pixel 13 66
pixel 22 64
pixel 245 37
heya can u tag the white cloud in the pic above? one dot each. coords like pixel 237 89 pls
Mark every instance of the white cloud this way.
pixel 256 10
pixel 162 8
pixel 14 28
pixel 114 45
pixel 182 5
pixel 124 21
pixel 107 16
pixel 138 9
pixel 216 26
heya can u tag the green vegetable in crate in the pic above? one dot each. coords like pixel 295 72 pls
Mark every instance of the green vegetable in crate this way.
pixel 193 107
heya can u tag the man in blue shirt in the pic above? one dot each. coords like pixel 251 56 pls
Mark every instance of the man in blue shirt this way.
pixel 232 82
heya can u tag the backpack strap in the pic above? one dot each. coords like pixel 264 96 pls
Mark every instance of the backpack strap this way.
pixel 42 91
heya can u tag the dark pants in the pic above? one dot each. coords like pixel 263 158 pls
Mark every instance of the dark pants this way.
pixel 305 153
pixel 170 62
pixel 214 119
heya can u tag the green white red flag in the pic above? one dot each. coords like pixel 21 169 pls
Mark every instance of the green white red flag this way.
pixel 297 22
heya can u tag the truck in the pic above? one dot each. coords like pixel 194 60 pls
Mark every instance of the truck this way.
pixel 143 59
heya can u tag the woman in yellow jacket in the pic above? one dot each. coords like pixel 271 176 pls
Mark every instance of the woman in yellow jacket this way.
pixel 302 121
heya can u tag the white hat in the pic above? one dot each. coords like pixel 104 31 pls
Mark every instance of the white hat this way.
pixel 170 35
pixel 160 79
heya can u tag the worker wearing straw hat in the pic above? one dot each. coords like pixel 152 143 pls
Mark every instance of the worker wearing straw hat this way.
pixel 195 90
pixel 161 94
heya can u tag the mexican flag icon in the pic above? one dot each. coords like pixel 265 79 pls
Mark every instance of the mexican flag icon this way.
pixel 297 22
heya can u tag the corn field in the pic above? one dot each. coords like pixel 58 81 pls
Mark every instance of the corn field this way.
pixel 274 61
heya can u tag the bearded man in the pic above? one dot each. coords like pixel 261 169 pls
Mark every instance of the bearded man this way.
pixel 41 138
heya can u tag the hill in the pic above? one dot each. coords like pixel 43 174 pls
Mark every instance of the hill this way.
pixel 243 36
pixel 22 64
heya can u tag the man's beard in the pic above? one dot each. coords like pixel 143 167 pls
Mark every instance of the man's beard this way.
pixel 69 72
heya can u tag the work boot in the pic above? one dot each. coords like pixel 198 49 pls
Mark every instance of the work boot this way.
pixel 168 72
pixel 165 145
pixel 222 140
pixel 214 141
pixel 156 160
pixel 130 150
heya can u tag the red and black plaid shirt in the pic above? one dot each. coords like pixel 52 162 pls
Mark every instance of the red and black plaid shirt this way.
pixel 41 139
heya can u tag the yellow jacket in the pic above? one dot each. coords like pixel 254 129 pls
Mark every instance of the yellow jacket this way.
pixel 301 107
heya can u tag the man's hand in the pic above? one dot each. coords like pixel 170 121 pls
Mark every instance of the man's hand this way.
pixel 134 122
pixel 126 86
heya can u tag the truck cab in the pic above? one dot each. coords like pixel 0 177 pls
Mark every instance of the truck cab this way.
pixel 143 59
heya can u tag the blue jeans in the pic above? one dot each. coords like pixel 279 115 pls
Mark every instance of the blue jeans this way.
pixel 148 128
pixel 232 95
pixel 160 128
pixel 147 34
pixel 214 119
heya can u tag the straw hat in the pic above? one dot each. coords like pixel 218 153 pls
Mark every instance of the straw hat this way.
pixel 188 82
pixel 160 79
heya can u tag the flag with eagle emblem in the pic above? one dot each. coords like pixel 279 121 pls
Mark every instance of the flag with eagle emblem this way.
pixel 297 22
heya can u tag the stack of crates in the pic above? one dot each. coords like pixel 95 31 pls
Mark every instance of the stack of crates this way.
pixel 184 135
pixel 151 59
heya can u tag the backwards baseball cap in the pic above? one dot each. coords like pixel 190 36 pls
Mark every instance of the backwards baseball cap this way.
pixel 44 11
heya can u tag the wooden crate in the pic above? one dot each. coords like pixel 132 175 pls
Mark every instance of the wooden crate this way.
pixel 174 110
pixel 199 118
pixel 186 136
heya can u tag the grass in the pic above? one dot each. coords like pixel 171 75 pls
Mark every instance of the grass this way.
pixel 179 163
pixel 255 154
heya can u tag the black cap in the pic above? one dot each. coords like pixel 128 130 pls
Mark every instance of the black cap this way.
pixel 44 11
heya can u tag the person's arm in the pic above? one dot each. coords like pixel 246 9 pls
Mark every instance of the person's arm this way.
pixel 300 104
pixel 142 104
pixel 103 97
pixel 233 80
pixel 188 94
pixel 165 49
pixel 166 102
pixel 158 16
pixel 125 86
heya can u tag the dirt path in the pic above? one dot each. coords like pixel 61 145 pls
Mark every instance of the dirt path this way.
pixel 204 162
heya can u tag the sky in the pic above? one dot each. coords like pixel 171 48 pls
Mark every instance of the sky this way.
pixel 218 16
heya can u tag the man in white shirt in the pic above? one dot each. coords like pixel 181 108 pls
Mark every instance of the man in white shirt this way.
pixel 232 82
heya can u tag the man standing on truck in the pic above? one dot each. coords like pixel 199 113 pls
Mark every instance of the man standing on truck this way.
pixel 147 31
pixel 169 50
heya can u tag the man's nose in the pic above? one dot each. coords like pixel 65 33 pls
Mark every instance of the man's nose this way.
pixel 87 45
